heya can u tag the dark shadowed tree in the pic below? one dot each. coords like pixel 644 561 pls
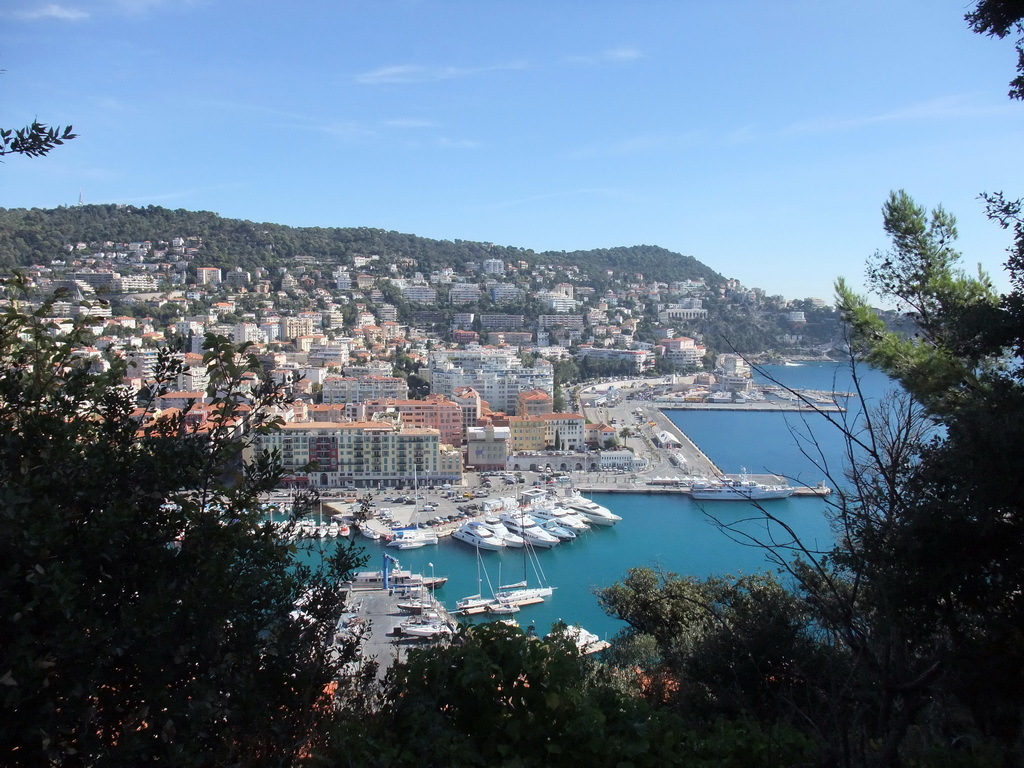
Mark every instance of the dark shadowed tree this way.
pixel 1002 18
pixel 34 140
pixel 150 611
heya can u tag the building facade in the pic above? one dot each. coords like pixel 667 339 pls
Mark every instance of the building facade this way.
pixel 370 454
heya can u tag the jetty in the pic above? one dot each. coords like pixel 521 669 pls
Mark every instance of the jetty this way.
pixel 649 429
pixel 391 610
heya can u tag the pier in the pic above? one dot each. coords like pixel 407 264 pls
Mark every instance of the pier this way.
pixel 376 615
pixel 645 419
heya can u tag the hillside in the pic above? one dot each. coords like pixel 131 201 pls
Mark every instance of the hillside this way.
pixel 38 236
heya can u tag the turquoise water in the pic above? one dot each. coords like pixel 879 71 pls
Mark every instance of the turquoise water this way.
pixel 668 532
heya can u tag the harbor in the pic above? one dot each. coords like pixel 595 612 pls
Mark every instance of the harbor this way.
pixel 678 533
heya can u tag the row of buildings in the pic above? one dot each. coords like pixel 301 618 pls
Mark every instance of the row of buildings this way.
pixel 379 399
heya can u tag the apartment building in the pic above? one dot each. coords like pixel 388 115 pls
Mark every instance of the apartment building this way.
pixel 526 433
pixel 534 402
pixel 496 373
pixel 356 389
pixel 435 412
pixel 487 447
pixel 564 431
pixel 370 454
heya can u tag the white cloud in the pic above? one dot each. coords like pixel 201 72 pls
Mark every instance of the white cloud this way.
pixel 52 11
pixel 609 56
pixel 415 73
pixel 410 122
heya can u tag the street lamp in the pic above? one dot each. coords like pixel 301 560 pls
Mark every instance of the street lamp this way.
pixel 432 582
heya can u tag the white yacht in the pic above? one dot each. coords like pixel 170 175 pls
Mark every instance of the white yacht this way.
pixel 509 539
pixel 520 594
pixel 554 527
pixel 586 642
pixel 594 512
pixel 411 538
pixel 369 531
pixel 478 535
pixel 430 628
pixel 560 515
pixel 522 524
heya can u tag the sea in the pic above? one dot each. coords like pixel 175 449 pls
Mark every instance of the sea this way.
pixel 672 532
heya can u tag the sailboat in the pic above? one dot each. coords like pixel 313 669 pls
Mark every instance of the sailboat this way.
pixel 477 603
pixel 521 593
pixel 412 537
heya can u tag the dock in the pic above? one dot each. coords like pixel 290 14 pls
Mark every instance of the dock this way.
pixel 645 419
pixel 384 628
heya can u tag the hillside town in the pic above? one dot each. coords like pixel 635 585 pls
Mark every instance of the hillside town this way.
pixel 394 376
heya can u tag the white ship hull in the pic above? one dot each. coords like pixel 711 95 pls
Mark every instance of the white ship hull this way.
pixel 740 491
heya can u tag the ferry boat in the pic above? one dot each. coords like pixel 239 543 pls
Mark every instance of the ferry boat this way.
pixel 743 489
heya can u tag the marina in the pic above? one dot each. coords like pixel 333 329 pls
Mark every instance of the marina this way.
pixel 675 533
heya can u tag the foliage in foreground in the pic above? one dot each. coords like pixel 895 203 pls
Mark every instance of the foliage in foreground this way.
pixel 149 613
pixel 902 644
pixel 497 696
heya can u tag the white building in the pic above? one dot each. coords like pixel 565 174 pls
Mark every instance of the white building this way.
pixel 355 389
pixel 464 293
pixel 493 267
pixel 419 294
pixel 497 374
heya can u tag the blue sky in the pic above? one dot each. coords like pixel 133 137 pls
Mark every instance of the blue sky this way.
pixel 759 137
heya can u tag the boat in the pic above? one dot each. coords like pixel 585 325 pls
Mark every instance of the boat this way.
pixel 591 510
pixel 521 593
pixel 509 539
pixel 743 489
pixel 476 603
pixel 431 628
pixel 478 535
pixel 555 528
pixel 473 604
pixel 392 575
pixel 411 538
pixel 561 515
pixel 417 606
pixel 370 532
pixel 523 525
pixel 500 608
pixel 586 642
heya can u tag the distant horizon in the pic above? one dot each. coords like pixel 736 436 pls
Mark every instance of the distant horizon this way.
pixel 760 139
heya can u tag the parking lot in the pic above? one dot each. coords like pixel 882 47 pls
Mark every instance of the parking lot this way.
pixel 442 509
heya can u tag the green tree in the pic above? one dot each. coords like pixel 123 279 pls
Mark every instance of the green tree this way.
pixel 725 647
pixel 150 610
pixel 960 544
pixel 496 696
